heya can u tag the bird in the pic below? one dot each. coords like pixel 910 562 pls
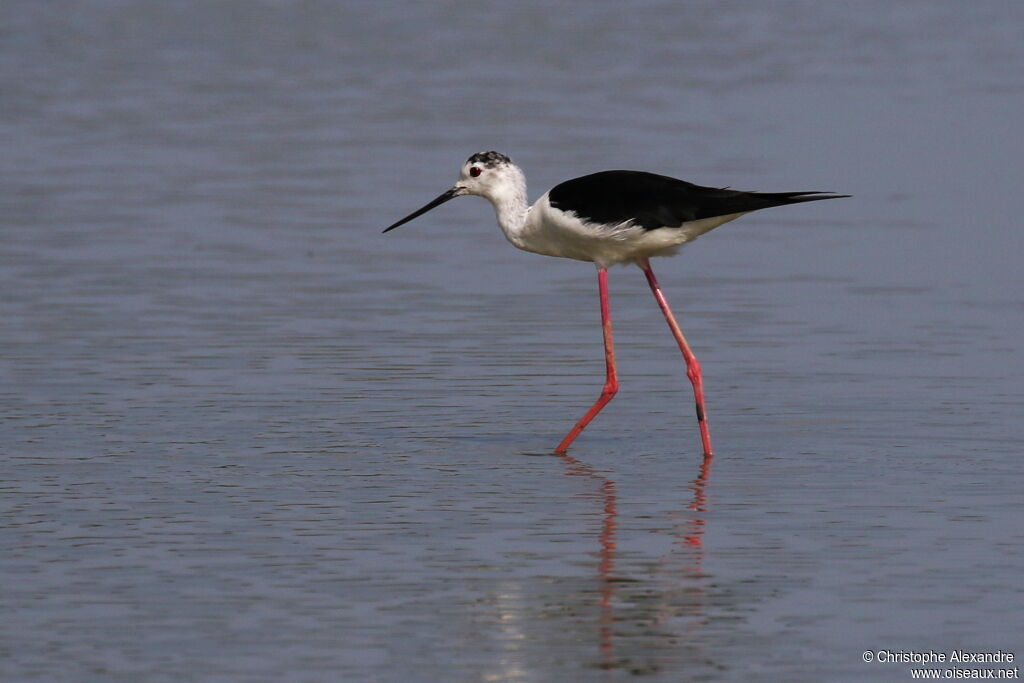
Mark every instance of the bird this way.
pixel 609 218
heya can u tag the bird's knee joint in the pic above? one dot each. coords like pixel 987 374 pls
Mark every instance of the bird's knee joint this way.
pixel 693 371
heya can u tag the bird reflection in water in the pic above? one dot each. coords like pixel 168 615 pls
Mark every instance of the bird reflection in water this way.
pixel 689 536
pixel 606 564
pixel 694 526
pixel 689 533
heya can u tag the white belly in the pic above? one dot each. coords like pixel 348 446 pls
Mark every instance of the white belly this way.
pixel 553 232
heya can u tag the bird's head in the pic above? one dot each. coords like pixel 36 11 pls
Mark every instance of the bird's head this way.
pixel 486 174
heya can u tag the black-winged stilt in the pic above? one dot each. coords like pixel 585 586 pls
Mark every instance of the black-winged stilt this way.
pixel 607 218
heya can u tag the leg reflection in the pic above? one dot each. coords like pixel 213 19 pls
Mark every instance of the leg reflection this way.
pixel 646 600
pixel 695 525
pixel 606 564
pixel 689 533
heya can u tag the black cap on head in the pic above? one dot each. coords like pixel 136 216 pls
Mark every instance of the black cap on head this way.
pixel 489 159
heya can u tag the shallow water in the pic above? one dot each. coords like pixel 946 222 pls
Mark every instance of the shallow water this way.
pixel 246 437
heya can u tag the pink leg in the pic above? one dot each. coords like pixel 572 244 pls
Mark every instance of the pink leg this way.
pixel 611 383
pixel 692 366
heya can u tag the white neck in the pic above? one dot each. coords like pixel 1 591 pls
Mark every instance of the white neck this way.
pixel 510 204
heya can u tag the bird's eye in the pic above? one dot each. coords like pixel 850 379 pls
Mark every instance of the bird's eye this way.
pixel 474 171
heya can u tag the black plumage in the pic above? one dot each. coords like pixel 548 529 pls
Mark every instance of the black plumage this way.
pixel 655 201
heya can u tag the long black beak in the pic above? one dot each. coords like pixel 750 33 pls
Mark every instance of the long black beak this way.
pixel 450 194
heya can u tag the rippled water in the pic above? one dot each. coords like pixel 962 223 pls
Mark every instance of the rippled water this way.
pixel 246 437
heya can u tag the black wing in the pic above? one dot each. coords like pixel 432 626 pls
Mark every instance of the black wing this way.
pixel 656 201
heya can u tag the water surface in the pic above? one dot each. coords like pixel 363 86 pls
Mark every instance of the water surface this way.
pixel 246 437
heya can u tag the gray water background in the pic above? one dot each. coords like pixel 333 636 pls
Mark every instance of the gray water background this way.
pixel 246 437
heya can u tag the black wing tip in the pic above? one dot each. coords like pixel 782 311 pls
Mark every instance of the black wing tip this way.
pixel 766 200
pixel 811 196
